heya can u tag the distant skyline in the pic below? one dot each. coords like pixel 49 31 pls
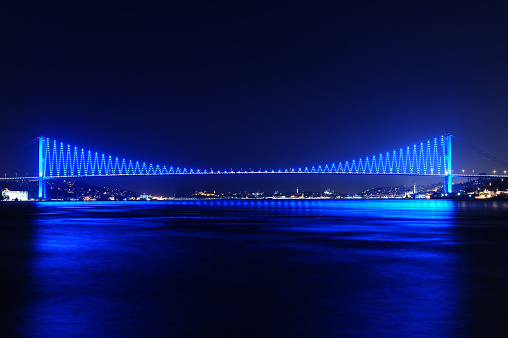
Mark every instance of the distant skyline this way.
pixel 235 85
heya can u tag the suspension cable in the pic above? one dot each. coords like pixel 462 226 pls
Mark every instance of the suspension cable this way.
pixel 27 144
pixel 484 153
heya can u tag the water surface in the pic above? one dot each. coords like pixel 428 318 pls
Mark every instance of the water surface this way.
pixel 254 268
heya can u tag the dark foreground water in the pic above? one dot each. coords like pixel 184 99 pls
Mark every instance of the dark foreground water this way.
pixel 254 268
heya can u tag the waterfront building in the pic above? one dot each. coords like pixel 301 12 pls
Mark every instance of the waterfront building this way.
pixel 8 195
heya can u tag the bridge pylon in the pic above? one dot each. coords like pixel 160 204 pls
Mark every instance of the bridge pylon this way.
pixel 448 164
pixel 42 168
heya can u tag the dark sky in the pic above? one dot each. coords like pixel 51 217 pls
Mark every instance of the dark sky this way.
pixel 253 84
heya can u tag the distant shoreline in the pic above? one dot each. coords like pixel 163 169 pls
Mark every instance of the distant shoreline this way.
pixel 267 199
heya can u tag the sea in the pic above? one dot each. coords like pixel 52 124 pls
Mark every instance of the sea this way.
pixel 254 268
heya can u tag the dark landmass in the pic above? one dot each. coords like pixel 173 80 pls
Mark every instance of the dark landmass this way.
pixel 71 190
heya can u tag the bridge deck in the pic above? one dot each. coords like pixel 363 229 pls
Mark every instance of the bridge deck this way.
pixel 249 173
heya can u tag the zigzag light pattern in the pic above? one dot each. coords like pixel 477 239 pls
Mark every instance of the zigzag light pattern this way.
pixel 427 158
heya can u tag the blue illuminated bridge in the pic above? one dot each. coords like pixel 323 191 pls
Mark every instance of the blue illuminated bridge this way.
pixel 430 158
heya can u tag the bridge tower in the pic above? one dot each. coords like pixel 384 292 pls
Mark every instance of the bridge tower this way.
pixel 42 168
pixel 448 164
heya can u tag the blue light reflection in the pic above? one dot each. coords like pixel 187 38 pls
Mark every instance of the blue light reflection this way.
pixel 327 268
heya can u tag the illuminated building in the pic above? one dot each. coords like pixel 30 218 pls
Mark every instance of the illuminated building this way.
pixel 9 195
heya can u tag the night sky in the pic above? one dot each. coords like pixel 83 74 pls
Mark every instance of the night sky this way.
pixel 253 85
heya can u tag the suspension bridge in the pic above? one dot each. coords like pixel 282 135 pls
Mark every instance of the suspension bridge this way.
pixel 430 158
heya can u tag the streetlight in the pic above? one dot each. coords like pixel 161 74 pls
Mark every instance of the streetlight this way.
pixel 462 171
pixel 494 172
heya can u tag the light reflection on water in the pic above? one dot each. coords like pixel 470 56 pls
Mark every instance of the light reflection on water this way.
pixel 250 268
